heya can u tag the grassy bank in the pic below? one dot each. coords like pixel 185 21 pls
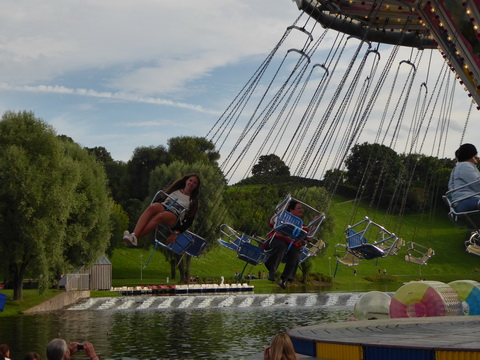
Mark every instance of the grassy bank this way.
pixel 31 298
pixel 430 230
pixel 450 262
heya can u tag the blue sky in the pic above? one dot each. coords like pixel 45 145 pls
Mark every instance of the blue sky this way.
pixel 123 74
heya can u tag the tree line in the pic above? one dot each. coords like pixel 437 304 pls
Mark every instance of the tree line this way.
pixel 63 206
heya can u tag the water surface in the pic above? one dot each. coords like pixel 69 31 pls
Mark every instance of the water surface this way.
pixel 209 333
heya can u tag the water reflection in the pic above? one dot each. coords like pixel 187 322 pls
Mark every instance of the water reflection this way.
pixel 229 333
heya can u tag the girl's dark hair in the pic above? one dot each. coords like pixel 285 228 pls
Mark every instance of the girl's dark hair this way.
pixel 180 184
pixel 291 205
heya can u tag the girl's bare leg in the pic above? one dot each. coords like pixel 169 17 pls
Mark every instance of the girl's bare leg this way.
pixel 145 218
pixel 165 218
pixel 154 215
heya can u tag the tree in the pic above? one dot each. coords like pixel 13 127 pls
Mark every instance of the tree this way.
pixel 88 227
pixel 119 222
pixel 53 198
pixel 333 178
pixel 375 170
pixel 192 149
pixel 143 161
pixel 428 180
pixel 116 173
pixel 270 165
pixel 251 207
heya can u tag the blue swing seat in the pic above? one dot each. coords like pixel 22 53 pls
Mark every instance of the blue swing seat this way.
pixel 251 253
pixel 290 226
pixel 197 244
pixel 243 245
pixel 360 247
pixel 180 245
pixel 235 244
pixel 469 220
pixel 185 243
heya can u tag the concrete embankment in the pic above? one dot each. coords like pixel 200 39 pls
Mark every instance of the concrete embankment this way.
pixel 59 302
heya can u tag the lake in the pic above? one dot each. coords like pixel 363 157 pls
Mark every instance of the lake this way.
pixel 212 331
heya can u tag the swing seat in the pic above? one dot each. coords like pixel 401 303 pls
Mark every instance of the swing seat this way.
pixel 396 248
pixel 472 245
pixel 290 226
pixel 473 249
pixel 233 238
pixel 418 254
pixel 197 244
pixel 231 245
pixel 179 246
pixel 358 245
pixel 349 260
pixel 243 245
pixel 367 251
pixel 469 220
pixel 251 253
pixel 185 243
pixel 311 248
pixel 344 257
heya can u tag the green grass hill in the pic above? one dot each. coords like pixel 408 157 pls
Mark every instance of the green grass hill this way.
pixel 450 261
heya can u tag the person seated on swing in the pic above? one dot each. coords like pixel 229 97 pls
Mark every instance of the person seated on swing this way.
pixel 465 172
pixel 280 246
pixel 184 192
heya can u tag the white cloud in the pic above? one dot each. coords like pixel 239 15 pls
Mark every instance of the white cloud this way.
pixel 105 95
pixel 157 47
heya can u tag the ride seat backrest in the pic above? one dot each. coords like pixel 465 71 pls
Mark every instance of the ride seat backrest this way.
pixel 355 239
pixel 287 218
pixel 251 253
pixel 196 246
pixel 290 226
pixel 159 196
pixel 242 239
pixel 181 244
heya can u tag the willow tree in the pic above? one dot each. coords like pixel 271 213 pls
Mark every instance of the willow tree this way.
pixel 54 210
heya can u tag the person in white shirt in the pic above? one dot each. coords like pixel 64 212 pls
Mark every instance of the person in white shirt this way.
pixel 465 198
pixel 177 211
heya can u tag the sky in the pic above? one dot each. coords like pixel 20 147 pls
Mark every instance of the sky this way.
pixel 121 74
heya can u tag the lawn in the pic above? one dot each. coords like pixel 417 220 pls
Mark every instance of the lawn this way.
pixel 133 267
